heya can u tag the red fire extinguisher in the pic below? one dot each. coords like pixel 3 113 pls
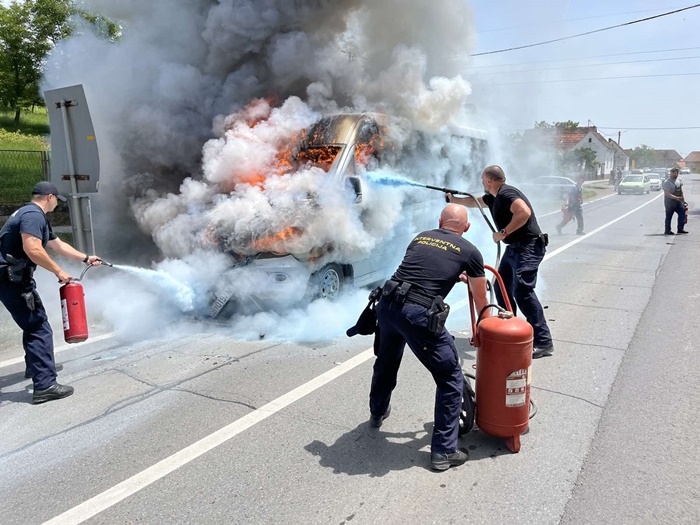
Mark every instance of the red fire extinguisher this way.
pixel 503 371
pixel 75 328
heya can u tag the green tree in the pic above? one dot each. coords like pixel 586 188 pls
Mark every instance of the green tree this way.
pixel 567 124
pixel 543 124
pixel 643 156
pixel 579 160
pixel 29 29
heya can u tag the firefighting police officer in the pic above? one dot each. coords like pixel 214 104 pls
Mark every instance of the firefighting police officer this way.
pixel 518 229
pixel 411 311
pixel 23 240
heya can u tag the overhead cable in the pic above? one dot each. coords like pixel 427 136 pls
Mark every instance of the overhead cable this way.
pixel 587 32
pixel 582 79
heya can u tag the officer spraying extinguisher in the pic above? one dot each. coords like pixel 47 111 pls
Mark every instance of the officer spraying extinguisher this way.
pixel 23 242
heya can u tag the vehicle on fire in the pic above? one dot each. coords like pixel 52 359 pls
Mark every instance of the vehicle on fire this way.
pixel 349 148
pixel 634 184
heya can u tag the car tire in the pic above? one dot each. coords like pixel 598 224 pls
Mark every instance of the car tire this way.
pixel 327 282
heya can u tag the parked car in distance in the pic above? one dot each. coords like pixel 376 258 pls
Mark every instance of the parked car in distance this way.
pixel 634 183
pixel 637 172
pixel 548 186
pixel 685 171
pixel 654 181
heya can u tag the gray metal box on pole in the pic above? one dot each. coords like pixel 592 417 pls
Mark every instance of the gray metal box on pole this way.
pixel 75 161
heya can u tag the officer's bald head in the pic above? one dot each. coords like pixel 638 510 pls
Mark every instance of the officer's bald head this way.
pixel 454 218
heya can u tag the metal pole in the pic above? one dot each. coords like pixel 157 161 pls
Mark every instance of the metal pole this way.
pixel 75 199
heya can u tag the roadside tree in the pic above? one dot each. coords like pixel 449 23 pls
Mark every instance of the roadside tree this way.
pixel 29 29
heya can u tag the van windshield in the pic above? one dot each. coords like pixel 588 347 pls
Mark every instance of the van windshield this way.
pixel 317 156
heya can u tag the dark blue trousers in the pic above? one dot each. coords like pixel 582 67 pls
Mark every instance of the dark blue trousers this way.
pixel 400 325
pixel 673 206
pixel 38 336
pixel 518 268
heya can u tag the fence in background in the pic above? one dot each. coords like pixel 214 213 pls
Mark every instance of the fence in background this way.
pixel 20 170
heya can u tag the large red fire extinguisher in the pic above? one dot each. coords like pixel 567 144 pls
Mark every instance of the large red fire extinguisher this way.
pixel 503 371
pixel 75 327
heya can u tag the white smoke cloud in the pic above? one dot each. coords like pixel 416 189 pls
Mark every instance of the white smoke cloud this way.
pixel 197 103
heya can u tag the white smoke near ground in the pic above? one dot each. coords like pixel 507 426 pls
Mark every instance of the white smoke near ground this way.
pixel 201 101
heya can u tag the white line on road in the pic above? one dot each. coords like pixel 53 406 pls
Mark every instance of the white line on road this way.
pixel 17 360
pixel 126 488
pixel 143 479
pixel 464 302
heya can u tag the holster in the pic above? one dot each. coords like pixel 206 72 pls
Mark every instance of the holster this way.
pixel 18 271
pixel 32 299
pixel 437 315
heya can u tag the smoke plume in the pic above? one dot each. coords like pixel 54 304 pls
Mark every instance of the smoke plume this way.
pixel 198 103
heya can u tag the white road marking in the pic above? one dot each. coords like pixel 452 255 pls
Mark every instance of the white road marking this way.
pixel 585 203
pixel 126 488
pixel 61 348
pixel 600 228
pixel 143 479
pixel 464 302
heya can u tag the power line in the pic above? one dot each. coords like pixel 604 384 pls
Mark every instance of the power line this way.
pixel 648 129
pixel 583 79
pixel 570 20
pixel 599 64
pixel 587 58
pixel 587 32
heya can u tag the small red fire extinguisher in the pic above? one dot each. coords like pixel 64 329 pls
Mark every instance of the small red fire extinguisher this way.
pixel 503 371
pixel 75 326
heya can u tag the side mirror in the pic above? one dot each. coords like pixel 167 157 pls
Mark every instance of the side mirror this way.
pixel 355 184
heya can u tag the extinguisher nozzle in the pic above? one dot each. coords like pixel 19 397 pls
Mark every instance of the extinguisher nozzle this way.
pixel 105 263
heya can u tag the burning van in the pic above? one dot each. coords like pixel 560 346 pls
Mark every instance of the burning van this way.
pixel 364 201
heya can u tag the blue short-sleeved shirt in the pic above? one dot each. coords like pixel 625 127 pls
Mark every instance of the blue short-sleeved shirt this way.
pixel 28 219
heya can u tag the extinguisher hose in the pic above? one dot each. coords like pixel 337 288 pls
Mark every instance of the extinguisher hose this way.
pixel 103 263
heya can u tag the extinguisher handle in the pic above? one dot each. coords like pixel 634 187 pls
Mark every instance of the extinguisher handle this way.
pixel 502 285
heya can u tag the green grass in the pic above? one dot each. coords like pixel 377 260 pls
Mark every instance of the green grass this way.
pixel 34 123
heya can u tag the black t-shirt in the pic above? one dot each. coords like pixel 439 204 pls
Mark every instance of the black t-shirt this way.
pixel 435 259
pixel 500 210
pixel 28 219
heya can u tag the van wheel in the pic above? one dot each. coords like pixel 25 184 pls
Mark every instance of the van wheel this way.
pixel 328 281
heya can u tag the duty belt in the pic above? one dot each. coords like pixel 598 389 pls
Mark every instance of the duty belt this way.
pixel 392 290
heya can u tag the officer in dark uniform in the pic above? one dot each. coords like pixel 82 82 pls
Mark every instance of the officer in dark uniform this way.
pixel 411 311
pixel 518 229
pixel 23 241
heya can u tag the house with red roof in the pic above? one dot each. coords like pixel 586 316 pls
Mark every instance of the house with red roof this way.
pixel 561 140
pixel 692 161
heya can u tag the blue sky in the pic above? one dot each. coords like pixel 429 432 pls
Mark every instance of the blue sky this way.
pixel 513 95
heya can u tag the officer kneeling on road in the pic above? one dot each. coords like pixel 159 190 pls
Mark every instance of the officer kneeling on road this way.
pixel 23 242
pixel 411 311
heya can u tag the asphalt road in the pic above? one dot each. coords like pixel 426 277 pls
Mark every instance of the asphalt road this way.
pixel 202 427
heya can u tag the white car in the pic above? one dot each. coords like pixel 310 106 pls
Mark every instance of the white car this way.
pixel 685 171
pixel 654 181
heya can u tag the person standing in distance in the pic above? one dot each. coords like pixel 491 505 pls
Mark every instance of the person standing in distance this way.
pixel 575 206
pixel 674 202
pixel 434 262
pixel 526 245
pixel 23 242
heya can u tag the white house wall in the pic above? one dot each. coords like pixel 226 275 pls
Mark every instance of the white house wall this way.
pixel 604 155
